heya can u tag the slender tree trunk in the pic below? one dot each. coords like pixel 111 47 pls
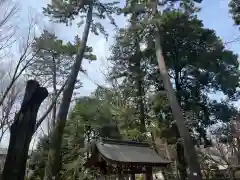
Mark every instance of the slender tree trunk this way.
pixel 191 155
pixel 140 96
pixel 54 110
pixel 181 162
pixel 22 130
pixel 53 164
pixel 41 119
pixel 237 149
pixel 139 79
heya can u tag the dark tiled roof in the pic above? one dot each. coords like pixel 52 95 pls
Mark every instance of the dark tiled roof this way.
pixel 129 152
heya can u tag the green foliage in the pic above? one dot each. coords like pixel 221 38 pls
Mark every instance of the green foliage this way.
pixel 118 101
pixel 54 58
pixel 197 61
pixel 234 9
pixel 67 11
pixel 39 158
pixel 109 131
pixel 198 65
pixel 91 111
pixel 88 111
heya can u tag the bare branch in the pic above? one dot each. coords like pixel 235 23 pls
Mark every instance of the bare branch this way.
pixel 23 63
pixel 9 10
pixel 8 109
pixel 39 122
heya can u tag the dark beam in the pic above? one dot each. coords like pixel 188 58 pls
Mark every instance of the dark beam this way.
pixel 148 174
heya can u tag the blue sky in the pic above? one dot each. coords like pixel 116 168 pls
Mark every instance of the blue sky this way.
pixel 214 15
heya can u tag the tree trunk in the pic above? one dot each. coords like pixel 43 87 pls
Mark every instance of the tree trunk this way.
pixel 191 155
pixel 22 130
pixel 49 109
pixel 53 164
pixel 190 152
pixel 54 76
pixel 140 95
pixel 181 162
pixel 139 78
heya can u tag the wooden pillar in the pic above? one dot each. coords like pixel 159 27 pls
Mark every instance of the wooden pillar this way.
pixel 148 175
pixel 132 176
pixel 120 174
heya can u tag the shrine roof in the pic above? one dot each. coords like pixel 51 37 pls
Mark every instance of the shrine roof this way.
pixel 129 152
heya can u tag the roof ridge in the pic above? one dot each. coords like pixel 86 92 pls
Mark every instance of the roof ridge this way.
pixel 124 142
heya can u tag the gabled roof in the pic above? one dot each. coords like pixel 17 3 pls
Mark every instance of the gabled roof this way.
pixel 128 152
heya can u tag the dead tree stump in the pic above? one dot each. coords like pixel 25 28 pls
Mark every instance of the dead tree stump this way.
pixel 22 130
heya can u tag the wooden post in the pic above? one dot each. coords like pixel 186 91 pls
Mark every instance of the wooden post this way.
pixel 132 176
pixel 120 174
pixel 148 175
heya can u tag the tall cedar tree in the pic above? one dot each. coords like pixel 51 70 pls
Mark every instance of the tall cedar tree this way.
pixel 228 87
pixel 66 11
pixel 128 65
pixel 152 7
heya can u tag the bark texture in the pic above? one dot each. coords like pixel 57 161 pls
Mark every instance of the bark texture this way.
pixel 53 164
pixel 22 130
pixel 190 152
